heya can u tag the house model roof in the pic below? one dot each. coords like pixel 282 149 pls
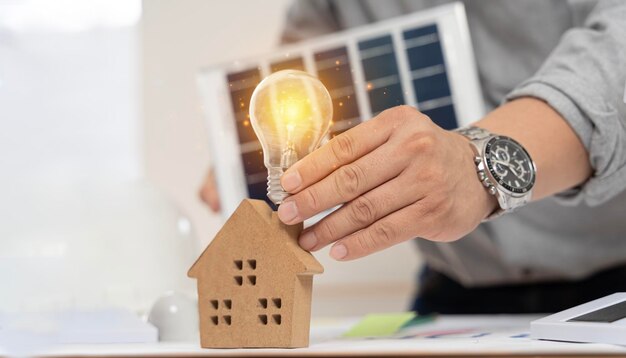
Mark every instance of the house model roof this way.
pixel 258 213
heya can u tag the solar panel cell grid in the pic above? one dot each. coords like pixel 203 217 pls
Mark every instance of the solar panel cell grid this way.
pixel 431 87
pixel 429 76
pixel 245 132
pixel 380 70
pixel 443 116
pixel 420 31
pixel 335 77
pixel 241 98
pixel 345 108
pixel 334 70
pixel 253 162
pixel 425 55
pixel 289 64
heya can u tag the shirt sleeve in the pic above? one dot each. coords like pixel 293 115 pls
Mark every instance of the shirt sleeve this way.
pixel 309 18
pixel 584 79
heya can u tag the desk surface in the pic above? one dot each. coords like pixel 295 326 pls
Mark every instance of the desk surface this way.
pixel 458 336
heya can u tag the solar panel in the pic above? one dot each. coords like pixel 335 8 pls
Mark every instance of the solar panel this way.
pixel 423 59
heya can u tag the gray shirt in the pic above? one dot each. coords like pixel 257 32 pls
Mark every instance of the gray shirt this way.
pixel 571 54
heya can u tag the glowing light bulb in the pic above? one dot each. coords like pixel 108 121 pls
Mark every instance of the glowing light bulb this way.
pixel 290 112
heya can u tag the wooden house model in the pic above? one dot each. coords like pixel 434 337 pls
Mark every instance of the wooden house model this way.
pixel 255 282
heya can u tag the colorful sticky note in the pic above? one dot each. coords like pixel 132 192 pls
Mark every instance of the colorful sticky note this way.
pixel 419 320
pixel 379 325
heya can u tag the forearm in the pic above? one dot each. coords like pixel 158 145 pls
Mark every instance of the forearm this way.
pixel 561 158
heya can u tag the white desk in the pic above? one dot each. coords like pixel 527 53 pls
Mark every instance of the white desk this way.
pixel 458 336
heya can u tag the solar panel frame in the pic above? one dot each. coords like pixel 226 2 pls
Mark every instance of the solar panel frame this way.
pixel 465 95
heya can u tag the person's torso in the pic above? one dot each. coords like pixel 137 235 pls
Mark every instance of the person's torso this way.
pixel 544 240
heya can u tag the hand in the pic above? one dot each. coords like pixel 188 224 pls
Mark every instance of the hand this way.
pixel 208 192
pixel 400 177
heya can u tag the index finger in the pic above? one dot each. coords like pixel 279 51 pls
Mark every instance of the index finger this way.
pixel 343 149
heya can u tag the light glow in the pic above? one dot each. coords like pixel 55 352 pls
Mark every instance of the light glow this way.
pixel 290 112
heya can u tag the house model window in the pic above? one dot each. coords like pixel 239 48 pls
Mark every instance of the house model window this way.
pixel 247 271
pixel 221 313
pixel 255 283
pixel 270 310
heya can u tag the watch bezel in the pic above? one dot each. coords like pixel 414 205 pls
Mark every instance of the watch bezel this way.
pixel 504 186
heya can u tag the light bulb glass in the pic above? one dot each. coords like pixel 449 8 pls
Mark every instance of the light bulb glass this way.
pixel 290 112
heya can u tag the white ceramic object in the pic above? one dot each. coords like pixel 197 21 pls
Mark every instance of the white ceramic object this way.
pixel 175 315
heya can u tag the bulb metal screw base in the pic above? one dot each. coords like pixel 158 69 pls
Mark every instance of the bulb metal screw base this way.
pixel 275 191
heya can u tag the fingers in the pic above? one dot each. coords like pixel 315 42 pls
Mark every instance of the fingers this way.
pixel 208 192
pixel 361 212
pixel 393 229
pixel 342 185
pixel 343 149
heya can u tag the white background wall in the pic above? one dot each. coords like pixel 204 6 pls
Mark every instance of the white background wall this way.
pixel 97 95
pixel 79 227
pixel 180 37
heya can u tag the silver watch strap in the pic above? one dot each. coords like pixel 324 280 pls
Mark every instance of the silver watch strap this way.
pixel 474 133
pixel 477 134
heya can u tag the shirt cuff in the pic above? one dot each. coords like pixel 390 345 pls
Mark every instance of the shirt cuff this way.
pixel 597 135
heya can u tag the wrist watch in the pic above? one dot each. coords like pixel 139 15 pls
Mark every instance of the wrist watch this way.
pixel 503 166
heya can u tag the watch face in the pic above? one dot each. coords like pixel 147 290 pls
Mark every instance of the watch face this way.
pixel 509 164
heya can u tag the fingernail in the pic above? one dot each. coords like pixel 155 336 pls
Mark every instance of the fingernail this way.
pixel 287 211
pixel 308 240
pixel 291 181
pixel 338 251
